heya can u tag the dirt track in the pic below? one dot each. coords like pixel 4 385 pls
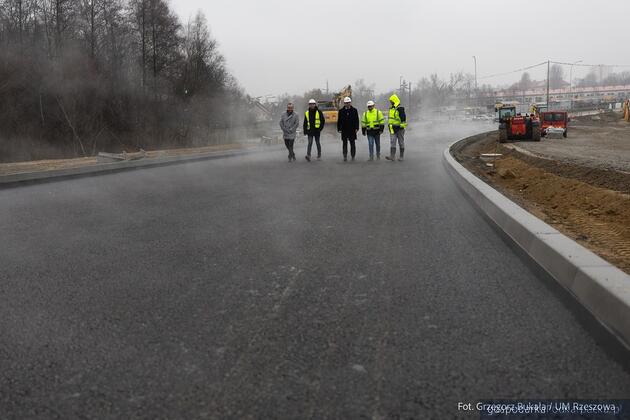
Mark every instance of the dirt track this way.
pixel 591 204
pixel 601 141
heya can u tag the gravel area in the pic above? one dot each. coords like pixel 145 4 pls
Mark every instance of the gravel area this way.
pixel 602 143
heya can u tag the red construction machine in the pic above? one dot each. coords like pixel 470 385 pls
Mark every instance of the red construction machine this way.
pixel 516 126
pixel 555 119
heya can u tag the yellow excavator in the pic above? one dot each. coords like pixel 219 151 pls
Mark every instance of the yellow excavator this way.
pixel 330 107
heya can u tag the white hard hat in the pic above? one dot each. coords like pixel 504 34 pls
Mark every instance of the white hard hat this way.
pixel 313 102
pixel 370 103
pixel 347 100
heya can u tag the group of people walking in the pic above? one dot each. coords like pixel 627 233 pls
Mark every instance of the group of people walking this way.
pixel 372 124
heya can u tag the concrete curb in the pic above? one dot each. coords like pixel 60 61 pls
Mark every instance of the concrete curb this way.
pixel 103 168
pixel 603 289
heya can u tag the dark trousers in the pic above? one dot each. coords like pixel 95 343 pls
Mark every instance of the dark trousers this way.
pixel 353 146
pixel 311 137
pixel 289 144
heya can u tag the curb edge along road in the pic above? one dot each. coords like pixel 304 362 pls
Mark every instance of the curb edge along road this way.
pixel 105 168
pixel 603 289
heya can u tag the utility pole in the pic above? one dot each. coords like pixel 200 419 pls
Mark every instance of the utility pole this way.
pixel 405 88
pixel 476 99
pixel 548 66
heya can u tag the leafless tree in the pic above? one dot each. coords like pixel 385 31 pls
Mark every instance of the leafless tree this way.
pixel 556 76
pixel 526 82
pixel 77 76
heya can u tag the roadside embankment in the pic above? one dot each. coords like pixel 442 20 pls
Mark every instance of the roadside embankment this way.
pixel 590 204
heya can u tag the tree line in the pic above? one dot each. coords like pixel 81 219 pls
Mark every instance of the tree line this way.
pixel 597 76
pixel 82 76
pixel 427 93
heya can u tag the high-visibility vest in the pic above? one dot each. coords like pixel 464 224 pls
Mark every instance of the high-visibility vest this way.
pixel 394 120
pixel 318 122
pixel 372 119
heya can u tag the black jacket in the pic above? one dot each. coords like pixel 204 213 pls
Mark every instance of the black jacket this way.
pixel 403 118
pixel 312 118
pixel 348 122
pixel 402 114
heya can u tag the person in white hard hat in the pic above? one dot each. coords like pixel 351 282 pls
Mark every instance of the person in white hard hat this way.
pixel 373 124
pixel 314 122
pixel 348 126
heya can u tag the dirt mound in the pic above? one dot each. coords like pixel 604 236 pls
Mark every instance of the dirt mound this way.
pixel 603 178
pixel 603 119
pixel 589 205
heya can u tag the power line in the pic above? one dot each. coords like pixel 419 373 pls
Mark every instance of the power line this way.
pixel 513 71
pixel 552 62
pixel 591 65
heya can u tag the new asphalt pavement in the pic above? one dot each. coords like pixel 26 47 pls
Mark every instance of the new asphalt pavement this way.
pixel 250 287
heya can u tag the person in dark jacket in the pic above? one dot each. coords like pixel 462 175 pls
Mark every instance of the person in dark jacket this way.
pixel 314 122
pixel 348 125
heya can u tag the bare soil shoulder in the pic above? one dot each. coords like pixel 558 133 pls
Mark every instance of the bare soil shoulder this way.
pixel 589 204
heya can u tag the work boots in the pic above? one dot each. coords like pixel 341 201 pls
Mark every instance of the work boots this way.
pixel 402 154
pixel 392 155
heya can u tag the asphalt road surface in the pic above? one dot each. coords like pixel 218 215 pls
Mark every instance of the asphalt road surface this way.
pixel 251 287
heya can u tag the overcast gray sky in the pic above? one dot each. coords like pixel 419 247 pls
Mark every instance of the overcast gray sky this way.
pixel 278 46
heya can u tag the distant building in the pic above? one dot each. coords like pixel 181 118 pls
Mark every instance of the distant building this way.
pixel 564 97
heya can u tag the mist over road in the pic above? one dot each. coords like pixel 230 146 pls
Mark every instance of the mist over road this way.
pixel 250 286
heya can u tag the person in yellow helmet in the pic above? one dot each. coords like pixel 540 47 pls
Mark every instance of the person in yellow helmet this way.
pixel 397 125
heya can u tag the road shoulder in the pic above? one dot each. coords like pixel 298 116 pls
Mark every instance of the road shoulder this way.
pixel 16 174
pixel 599 286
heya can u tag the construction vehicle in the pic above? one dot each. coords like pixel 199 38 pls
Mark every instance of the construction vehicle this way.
pixel 626 110
pixel 330 107
pixel 516 126
pixel 329 110
pixel 503 108
pixel 538 107
pixel 556 119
